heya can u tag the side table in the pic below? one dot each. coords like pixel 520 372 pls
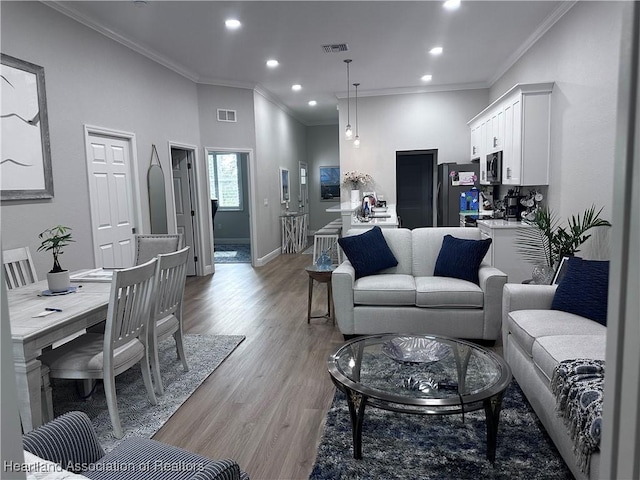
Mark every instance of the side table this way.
pixel 320 275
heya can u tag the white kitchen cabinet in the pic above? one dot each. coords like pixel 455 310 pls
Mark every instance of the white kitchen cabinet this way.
pixel 476 141
pixel 494 139
pixel 518 123
pixel 503 254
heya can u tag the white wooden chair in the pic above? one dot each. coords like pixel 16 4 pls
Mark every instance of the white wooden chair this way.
pixel 18 272
pixel 171 273
pixel 123 344
pixel 18 267
pixel 149 245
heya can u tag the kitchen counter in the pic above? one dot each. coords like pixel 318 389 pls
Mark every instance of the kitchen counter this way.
pixel 386 219
pixel 344 207
pixel 383 217
pixel 503 252
pixel 501 223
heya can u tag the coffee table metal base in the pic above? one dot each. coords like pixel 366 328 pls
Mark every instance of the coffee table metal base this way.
pixel 357 403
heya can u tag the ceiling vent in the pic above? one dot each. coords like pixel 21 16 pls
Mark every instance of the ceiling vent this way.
pixel 226 115
pixel 335 48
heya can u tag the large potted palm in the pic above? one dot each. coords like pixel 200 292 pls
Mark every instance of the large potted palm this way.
pixel 544 241
pixel 53 240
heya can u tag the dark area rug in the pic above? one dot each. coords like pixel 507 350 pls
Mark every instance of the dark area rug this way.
pixel 402 446
pixel 232 253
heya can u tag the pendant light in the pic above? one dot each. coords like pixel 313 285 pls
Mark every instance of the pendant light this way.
pixel 356 140
pixel 348 132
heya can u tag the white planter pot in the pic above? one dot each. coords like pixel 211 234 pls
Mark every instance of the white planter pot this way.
pixel 356 198
pixel 59 282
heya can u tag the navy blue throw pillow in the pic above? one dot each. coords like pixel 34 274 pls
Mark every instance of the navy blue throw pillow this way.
pixel 368 252
pixel 461 258
pixel 584 290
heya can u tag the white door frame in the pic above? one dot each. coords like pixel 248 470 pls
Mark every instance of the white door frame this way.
pixel 135 177
pixel 253 227
pixel 201 207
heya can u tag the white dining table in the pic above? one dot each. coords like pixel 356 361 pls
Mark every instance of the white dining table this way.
pixel 83 308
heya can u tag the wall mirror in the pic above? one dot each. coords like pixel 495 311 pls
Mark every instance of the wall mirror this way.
pixel 330 183
pixel 157 194
pixel 284 185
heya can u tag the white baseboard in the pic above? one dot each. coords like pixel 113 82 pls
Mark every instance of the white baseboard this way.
pixel 262 261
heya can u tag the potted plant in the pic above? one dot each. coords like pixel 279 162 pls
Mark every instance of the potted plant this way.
pixel 545 242
pixel 54 239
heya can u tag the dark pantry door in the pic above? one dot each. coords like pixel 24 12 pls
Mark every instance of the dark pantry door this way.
pixel 414 188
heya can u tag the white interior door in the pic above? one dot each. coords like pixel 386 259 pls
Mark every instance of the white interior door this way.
pixel 111 184
pixel 184 201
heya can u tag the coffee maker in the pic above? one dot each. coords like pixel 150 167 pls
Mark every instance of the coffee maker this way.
pixel 513 206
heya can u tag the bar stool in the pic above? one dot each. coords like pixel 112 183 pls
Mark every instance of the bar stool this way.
pixel 324 239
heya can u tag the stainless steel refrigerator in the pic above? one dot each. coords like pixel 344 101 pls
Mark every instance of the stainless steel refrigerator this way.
pixel 448 196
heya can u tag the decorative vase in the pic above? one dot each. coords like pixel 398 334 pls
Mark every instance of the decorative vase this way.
pixel 355 198
pixel 542 275
pixel 323 262
pixel 59 281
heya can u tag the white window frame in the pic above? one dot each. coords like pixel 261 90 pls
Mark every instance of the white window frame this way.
pixel 215 153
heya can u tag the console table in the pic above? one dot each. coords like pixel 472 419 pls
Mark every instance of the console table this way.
pixel 294 231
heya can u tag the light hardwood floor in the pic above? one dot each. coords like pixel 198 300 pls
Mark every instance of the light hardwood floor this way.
pixel 265 405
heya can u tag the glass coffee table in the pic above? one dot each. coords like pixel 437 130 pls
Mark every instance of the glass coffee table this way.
pixel 420 374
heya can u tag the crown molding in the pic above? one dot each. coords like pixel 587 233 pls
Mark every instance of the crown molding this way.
pixel 260 90
pixel 147 52
pixel 221 82
pixel 549 22
pixel 417 89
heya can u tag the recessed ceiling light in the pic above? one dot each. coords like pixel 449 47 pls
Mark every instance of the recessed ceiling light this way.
pixel 426 78
pixel 451 4
pixel 312 103
pixel 435 51
pixel 232 24
pixel 296 87
pixel 272 63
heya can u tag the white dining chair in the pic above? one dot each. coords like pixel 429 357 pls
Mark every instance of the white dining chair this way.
pixel 148 246
pixel 18 267
pixel 124 343
pixel 171 273
pixel 18 272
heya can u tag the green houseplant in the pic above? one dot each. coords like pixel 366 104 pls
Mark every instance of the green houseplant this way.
pixel 54 239
pixel 545 242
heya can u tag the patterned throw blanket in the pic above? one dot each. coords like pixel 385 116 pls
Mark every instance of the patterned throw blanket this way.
pixel 578 386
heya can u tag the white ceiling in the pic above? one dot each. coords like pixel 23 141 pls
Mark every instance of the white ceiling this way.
pixel 389 43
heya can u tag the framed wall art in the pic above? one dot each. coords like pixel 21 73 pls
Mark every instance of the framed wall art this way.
pixel 330 183
pixel 25 168
pixel 284 185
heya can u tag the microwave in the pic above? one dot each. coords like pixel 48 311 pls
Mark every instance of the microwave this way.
pixel 494 168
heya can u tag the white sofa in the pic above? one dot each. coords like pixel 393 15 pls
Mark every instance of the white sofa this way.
pixel 535 339
pixel 409 299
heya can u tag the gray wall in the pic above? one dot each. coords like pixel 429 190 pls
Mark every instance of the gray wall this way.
pixel 420 121
pixel 215 134
pixel 580 54
pixel 238 135
pixel 323 150
pixel 280 142
pixel 96 81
